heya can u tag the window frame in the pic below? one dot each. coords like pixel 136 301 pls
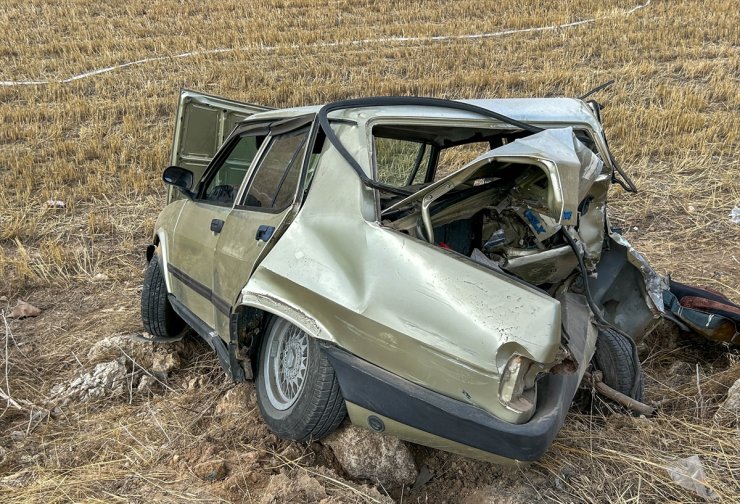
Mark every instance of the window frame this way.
pixel 218 162
pixel 264 150
pixel 423 150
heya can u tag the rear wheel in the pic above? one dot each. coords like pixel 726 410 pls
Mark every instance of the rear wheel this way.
pixel 157 314
pixel 297 391
pixel 615 358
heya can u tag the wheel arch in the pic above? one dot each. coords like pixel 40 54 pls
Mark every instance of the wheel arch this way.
pixel 159 249
pixel 249 320
pixel 254 310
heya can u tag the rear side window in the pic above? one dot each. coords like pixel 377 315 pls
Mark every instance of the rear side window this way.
pixel 401 163
pixel 452 159
pixel 274 184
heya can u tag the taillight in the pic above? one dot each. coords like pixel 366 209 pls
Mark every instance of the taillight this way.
pixel 517 389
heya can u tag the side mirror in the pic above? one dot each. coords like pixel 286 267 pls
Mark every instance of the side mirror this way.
pixel 179 178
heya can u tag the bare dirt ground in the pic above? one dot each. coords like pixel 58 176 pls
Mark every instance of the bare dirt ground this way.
pixel 169 427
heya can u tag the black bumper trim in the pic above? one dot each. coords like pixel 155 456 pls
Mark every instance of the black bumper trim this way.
pixel 389 395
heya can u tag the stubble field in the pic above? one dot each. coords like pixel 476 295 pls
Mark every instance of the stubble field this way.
pixel 98 143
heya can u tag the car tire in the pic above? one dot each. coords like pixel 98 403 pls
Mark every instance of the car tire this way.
pixel 297 391
pixel 615 359
pixel 157 314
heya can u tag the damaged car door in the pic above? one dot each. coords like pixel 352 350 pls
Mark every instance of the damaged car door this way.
pixel 203 122
pixel 256 221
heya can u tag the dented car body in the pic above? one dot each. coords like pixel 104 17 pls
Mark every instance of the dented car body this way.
pixel 454 259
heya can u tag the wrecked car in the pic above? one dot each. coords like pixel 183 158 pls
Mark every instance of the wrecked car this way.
pixel 440 271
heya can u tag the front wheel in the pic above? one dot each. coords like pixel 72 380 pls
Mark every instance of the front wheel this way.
pixel 157 314
pixel 615 358
pixel 297 391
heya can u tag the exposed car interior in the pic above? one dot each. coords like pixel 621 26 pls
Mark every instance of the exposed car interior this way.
pixel 498 211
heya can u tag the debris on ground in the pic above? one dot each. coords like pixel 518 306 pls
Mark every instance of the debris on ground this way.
pixel 689 473
pixel 235 400
pixel 163 364
pixel 735 215
pixel 107 379
pixel 364 454
pixel 296 486
pixel 211 470
pixel 729 411
pixel 119 345
pixel 23 310
pixel 319 486
pixel 55 204
pixel 122 365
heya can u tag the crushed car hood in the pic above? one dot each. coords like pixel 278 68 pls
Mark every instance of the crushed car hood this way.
pixel 571 168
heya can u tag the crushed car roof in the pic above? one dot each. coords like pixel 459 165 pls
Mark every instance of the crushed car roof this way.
pixel 540 110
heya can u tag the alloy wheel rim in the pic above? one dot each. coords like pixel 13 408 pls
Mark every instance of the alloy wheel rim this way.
pixel 285 367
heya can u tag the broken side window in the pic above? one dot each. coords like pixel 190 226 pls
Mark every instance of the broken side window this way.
pixel 401 163
pixel 452 159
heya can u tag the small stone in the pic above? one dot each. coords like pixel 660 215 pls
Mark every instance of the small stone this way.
pixel 234 401
pixel 23 310
pixel 376 457
pixel 212 470
pixel 147 384
pixel 100 277
pixel 17 436
pixel 55 204
pixel 56 389
pixel 163 364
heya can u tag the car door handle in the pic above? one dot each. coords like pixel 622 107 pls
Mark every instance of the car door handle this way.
pixel 217 225
pixel 264 232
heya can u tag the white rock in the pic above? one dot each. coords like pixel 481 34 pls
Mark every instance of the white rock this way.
pixel 369 455
pixel 116 346
pixel 106 379
pixel 147 384
pixel 729 411
pixel 165 363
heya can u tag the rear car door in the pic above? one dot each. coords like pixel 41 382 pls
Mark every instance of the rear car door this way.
pixel 203 122
pixel 259 218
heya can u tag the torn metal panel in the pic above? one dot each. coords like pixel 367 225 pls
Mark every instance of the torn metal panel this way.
pixel 655 284
pixel 460 322
pixel 579 331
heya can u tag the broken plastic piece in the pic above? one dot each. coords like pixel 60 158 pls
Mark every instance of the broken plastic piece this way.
pixel 497 239
pixel 689 473
pixel 735 215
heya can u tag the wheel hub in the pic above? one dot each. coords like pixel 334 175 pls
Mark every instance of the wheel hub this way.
pixel 284 372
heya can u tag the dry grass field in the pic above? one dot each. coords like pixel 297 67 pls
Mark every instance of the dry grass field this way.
pixel 99 144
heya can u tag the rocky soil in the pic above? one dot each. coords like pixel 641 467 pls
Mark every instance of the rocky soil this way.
pixel 162 423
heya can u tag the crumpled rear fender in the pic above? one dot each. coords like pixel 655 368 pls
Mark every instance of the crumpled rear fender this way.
pixel 426 314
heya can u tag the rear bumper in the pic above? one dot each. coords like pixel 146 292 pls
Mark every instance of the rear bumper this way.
pixel 382 392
